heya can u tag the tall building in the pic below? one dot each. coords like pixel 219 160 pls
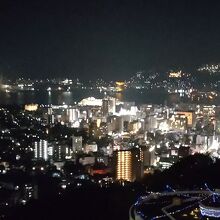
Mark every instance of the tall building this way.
pixel 72 115
pixel 62 152
pixel 120 124
pixel 50 111
pixel 105 107
pixel 41 150
pixel 76 144
pixel 112 105
pixel 151 122
pixel 129 164
pixel 51 117
pixel 124 165
pixel 108 106
pixel 149 157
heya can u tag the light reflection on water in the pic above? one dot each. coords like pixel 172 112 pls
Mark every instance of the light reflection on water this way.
pixel 75 95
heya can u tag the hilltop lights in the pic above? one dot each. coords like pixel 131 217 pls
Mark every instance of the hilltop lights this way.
pixel 175 74
pixel 31 107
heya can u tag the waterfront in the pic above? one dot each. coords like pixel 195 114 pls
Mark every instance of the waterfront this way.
pixel 75 95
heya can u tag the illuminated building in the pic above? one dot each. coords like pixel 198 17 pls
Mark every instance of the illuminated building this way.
pixel 112 105
pixel 175 74
pixel 50 111
pixel 30 191
pixel 87 160
pixel 76 144
pixel 72 115
pixel 90 101
pixel 105 107
pixel 120 124
pixel 41 149
pixel 132 111
pixel 91 148
pixel 61 152
pixel 123 123
pixel 213 145
pixel 165 162
pixel 134 126
pixel 178 122
pixel 124 165
pixel 201 140
pixel 151 122
pixel 51 117
pixel 129 164
pixel 164 126
pixel 116 124
pixel 108 106
pixel 149 157
pixel 189 115
pixel 31 107
pixel 120 86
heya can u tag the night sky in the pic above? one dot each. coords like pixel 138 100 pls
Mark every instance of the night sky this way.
pixel 106 38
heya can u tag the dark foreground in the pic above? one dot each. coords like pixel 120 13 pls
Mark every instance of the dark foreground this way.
pixel 83 204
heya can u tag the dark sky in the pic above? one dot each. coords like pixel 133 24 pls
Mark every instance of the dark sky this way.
pixel 106 38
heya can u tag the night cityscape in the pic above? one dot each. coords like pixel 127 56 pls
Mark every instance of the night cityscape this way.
pixel 109 110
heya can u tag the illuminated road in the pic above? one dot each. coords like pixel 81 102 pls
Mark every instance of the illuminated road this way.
pixel 137 213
